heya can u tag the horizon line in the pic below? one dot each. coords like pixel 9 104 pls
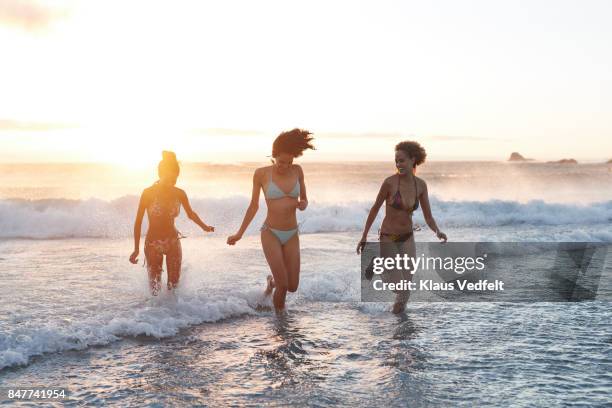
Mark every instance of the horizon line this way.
pixel 235 162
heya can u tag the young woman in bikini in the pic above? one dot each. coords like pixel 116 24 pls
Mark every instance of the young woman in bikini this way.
pixel 285 191
pixel 162 202
pixel 402 194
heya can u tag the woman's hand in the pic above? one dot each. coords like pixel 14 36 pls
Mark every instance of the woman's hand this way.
pixel 441 236
pixel 361 245
pixel 208 228
pixel 232 239
pixel 302 204
pixel 134 257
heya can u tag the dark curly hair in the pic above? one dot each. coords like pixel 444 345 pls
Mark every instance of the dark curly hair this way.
pixel 168 164
pixel 413 149
pixel 293 142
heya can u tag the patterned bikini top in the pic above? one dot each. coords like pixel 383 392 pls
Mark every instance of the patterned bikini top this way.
pixel 396 201
pixel 157 210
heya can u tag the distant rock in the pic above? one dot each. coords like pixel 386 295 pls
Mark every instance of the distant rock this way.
pixel 564 161
pixel 516 156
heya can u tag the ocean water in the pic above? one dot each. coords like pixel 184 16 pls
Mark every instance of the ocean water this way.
pixel 74 313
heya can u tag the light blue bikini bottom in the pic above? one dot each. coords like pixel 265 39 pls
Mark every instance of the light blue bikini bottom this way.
pixel 283 236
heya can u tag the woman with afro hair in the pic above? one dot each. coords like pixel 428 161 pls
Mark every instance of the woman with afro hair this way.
pixel 402 193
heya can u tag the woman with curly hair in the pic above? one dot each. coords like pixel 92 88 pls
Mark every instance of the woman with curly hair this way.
pixel 284 189
pixel 402 193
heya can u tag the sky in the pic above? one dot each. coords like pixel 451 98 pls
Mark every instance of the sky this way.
pixel 118 81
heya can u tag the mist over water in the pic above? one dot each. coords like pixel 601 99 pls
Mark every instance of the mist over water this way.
pixel 326 182
pixel 67 201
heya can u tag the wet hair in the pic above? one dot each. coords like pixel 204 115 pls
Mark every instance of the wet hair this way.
pixel 168 164
pixel 293 142
pixel 413 149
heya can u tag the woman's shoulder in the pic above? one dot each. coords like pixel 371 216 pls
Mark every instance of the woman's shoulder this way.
pixel 179 191
pixel 297 168
pixel 421 184
pixel 148 190
pixel 390 179
pixel 262 170
pixel 148 194
pixel 260 173
pixel 386 184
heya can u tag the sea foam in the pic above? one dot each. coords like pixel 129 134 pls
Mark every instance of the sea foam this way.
pixel 95 218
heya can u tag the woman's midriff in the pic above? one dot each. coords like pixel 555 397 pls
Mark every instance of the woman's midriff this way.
pixel 161 230
pixel 396 221
pixel 281 213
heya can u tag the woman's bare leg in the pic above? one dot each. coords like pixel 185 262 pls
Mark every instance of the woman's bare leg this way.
pixel 270 287
pixel 291 255
pixel 409 248
pixel 274 255
pixel 174 259
pixel 154 269
pixel 401 298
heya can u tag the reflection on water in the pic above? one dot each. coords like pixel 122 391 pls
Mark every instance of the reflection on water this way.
pixel 407 328
pixel 87 313
pixel 291 358
pixel 340 355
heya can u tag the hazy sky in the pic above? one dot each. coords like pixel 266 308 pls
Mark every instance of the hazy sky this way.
pixel 216 81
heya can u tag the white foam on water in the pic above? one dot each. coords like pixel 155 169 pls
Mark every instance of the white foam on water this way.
pixel 157 317
pixel 53 219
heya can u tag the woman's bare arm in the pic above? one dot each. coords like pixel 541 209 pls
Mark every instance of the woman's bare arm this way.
pixel 191 214
pixel 429 219
pixel 251 210
pixel 303 203
pixel 138 226
pixel 380 199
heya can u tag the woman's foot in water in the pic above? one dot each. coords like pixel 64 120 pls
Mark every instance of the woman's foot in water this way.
pixel 171 290
pixel 399 307
pixel 155 287
pixel 400 302
pixel 270 286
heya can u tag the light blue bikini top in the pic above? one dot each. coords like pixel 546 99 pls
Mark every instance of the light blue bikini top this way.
pixel 273 192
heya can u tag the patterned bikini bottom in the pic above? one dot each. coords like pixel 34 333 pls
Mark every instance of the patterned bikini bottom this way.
pixel 163 246
pixel 397 237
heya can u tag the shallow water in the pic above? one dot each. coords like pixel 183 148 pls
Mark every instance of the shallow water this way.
pixel 337 354
pixel 85 322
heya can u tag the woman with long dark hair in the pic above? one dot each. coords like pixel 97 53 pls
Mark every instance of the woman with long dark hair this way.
pixel 162 202
pixel 285 192
pixel 402 193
